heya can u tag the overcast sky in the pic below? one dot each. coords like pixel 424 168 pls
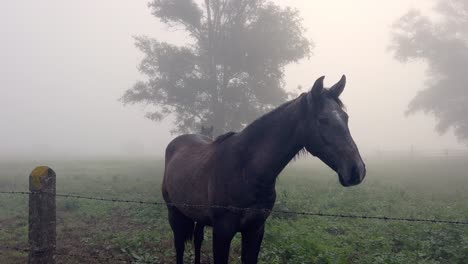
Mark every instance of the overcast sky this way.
pixel 64 64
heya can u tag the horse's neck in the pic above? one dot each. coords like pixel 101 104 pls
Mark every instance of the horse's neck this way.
pixel 272 142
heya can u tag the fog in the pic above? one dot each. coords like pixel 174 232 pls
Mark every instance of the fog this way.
pixel 65 64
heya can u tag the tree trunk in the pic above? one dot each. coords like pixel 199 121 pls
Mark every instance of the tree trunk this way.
pixel 216 105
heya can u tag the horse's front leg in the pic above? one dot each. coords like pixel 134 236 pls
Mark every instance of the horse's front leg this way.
pixel 197 241
pixel 223 232
pixel 251 242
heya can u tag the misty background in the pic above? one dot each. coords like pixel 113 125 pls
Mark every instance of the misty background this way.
pixel 65 64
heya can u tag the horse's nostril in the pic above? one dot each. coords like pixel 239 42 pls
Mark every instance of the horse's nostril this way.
pixel 355 177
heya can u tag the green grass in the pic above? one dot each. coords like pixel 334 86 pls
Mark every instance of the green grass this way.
pixel 417 188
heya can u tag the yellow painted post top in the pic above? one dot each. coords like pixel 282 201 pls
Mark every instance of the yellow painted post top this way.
pixel 36 176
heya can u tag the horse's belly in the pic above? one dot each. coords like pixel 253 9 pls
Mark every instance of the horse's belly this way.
pixel 200 215
pixel 190 201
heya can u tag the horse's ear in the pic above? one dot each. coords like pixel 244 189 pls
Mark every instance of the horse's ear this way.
pixel 316 90
pixel 338 88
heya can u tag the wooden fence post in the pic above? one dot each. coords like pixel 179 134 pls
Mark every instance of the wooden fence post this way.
pixel 42 233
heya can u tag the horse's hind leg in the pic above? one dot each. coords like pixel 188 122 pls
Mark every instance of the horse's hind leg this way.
pixel 197 240
pixel 182 227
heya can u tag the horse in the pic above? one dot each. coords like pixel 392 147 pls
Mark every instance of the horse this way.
pixel 239 170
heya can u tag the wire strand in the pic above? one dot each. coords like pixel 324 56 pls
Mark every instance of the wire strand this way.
pixel 239 209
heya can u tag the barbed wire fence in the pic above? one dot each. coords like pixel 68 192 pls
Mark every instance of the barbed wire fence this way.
pixel 61 252
pixel 240 209
pixel 230 208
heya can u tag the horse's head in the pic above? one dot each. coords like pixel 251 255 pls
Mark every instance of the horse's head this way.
pixel 327 133
pixel 207 131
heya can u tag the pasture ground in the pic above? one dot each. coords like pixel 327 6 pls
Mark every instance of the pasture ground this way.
pixel 418 188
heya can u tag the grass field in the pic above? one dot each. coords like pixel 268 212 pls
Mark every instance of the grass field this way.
pixel 420 188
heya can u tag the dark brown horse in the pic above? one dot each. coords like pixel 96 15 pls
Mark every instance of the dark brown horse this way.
pixel 240 170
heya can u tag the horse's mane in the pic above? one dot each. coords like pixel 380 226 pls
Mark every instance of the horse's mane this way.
pixel 268 118
pixel 223 137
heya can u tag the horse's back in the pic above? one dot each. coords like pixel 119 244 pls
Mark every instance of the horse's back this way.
pixel 188 150
pixel 185 141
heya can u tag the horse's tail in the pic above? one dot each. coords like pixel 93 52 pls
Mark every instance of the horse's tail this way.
pixel 188 236
pixel 198 233
pixel 195 233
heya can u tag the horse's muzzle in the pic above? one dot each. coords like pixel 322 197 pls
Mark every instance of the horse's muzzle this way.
pixel 353 176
